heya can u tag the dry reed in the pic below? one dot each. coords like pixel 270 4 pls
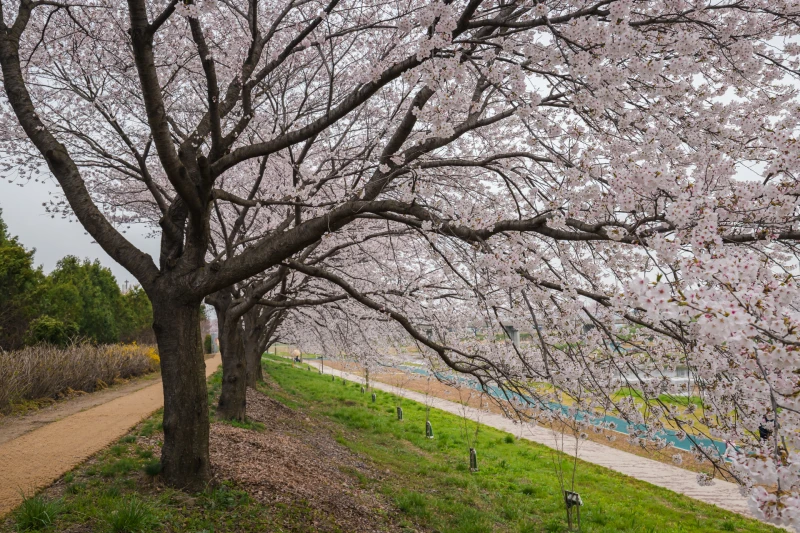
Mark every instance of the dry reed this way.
pixel 39 372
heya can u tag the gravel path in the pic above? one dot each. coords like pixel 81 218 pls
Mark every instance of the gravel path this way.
pixel 722 493
pixel 39 457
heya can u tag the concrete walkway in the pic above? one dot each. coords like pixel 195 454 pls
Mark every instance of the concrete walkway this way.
pixel 38 458
pixel 722 493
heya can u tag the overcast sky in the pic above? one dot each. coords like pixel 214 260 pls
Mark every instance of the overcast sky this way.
pixel 54 238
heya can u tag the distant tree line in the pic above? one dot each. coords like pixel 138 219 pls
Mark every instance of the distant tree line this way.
pixel 78 300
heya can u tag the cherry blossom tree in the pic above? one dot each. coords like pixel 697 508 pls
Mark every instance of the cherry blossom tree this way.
pixel 544 155
pixel 144 112
pixel 250 312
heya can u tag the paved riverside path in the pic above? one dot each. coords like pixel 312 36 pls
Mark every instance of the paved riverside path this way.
pixel 722 493
pixel 38 458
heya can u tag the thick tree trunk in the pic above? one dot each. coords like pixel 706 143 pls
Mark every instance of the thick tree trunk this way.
pixel 233 398
pixel 255 372
pixel 184 456
pixel 256 338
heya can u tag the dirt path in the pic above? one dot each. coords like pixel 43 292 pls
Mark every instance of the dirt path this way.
pixel 38 457
pixel 722 493
pixel 12 427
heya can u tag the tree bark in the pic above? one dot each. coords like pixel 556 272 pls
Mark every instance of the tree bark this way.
pixel 184 456
pixel 259 327
pixel 255 372
pixel 233 398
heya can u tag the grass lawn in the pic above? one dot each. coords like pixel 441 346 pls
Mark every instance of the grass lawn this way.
pixel 427 481
pixel 516 488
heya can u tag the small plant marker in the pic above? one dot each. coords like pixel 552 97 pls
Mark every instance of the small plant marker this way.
pixel 428 429
pixel 473 460
pixel 399 413
pixel 374 397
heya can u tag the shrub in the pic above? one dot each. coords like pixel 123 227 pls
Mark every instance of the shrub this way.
pixel 46 371
pixel 36 513
pixel 49 330
pixel 207 344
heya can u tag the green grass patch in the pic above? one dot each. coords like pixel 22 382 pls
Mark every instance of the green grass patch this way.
pixel 36 513
pixel 225 497
pixel 152 468
pixel 131 515
pixel 145 454
pixel 516 488
pixel 117 450
pixel 119 466
pixel 246 424
pixel 152 425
